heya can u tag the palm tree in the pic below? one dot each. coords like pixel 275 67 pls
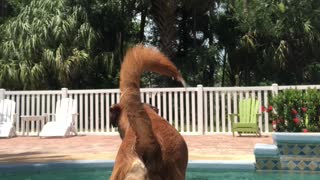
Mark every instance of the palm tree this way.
pixel 164 15
pixel 47 46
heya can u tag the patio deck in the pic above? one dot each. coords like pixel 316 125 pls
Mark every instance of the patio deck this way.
pixel 34 149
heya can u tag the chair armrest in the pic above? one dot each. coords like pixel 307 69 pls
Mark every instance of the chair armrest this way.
pixel 74 116
pixel 14 116
pixel 257 116
pixel 48 114
pixel 232 115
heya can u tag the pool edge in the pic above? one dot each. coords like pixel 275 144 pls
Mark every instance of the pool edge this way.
pixel 192 164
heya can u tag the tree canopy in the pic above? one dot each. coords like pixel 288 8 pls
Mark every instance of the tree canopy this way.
pixel 49 44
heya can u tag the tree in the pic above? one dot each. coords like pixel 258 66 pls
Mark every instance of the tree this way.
pixel 48 48
pixel 183 31
pixel 275 36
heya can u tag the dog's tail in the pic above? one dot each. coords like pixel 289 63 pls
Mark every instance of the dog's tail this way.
pixel 137 60
pixel 140 59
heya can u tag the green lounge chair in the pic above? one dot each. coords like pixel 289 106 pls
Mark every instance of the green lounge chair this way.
pixel 248 117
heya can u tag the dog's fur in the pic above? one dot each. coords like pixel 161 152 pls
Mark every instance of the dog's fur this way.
pixel 151 148
pixel 114 117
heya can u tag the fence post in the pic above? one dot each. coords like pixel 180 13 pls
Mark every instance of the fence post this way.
pixel 2 92
pixel 274 89
pixel 200 108
pixel 64 92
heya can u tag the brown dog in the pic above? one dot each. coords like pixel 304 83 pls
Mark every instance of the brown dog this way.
pixel 174 149
pixel 151 148
pixel 114 117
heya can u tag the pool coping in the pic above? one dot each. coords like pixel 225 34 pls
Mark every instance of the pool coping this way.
pixel 241 165
pixel 296 138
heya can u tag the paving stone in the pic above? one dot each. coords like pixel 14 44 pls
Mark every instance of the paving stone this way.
pixel 35 149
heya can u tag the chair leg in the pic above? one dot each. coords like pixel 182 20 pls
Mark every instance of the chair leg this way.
pixel 69 132
pixel 12 132
pixel 258 132
pixel 73 129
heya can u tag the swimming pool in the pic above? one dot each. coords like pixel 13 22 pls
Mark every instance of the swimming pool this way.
pixel 102 170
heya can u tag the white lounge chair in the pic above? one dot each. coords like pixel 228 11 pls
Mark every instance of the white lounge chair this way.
pixel 7 118
pixel 64 119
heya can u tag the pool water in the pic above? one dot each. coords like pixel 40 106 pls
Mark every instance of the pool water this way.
pixel 100 173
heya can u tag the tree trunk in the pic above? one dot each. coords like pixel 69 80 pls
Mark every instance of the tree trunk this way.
pixel 194 32
pixel 164 15
pixel 224 66
pixel 142 24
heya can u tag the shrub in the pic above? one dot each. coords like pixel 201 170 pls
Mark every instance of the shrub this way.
pixel 296 111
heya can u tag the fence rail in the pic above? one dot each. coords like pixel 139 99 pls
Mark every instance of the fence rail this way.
pixel 192 111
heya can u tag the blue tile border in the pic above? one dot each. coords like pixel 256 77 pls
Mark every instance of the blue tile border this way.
pixel 296 152
pixel 299 149
pixel 268 163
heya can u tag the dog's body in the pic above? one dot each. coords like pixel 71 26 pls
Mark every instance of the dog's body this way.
pixel 151 148
pixel 173 147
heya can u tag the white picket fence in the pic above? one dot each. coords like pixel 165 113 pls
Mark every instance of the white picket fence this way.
pixel 192 111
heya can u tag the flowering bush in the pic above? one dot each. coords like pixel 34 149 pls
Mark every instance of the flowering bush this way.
pixel 295 111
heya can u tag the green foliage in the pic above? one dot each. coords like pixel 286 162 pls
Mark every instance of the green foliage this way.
pixel 202 66
pixel 276 35
pixel 80 44
pixel 50 45
pixel 295 110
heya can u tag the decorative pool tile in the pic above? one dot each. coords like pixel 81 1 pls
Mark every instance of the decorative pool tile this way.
pixel 290 165
pixel 267 164
pixel 299 149
pixel 313 166
pixel 307 150
pixel 295 152
pixel 300 164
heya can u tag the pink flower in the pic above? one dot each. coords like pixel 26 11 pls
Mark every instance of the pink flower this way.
pixel 294 112
pixel 269 109
pixel 296 120
pixel 305 130
pixel 280 121
pixel 263 109
pixel 304 109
